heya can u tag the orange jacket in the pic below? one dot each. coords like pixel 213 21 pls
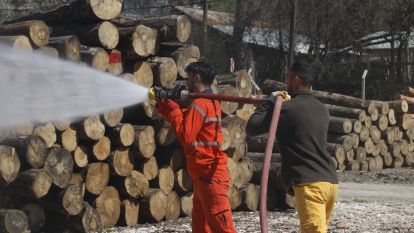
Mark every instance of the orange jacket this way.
pixel 198 129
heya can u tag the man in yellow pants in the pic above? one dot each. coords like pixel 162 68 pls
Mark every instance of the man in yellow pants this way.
pixel 301 137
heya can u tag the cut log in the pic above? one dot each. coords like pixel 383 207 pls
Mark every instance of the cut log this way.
pixel 47 132
pixel 369 146
pixel 225 145
pixel 227 107
pixel 149 168
pixel 238 152
pixel 35 215
pixel 25 129
pixel 398 134
pixel 250 197
pixel 79 11
pixel 33 183
pixel 173 157
pixel 101 148
pixel 68 139
pixel 392 119
pixel 187 204
pixel 360 154
pixel 13 221
pixel 409 160
pixel 346 141
pixel 92 129
pixel 97 177
pixel 122 161
pixel 136 184
pixel 36 30
pixel 353 165
pixel 9 164
pixel 72 199
pixel 384 107
pixel 143 142
pixel 389 136
pixel 76 179
pixel 164 180
pixel 88 221
pixel 372 164
pixel 411 146
pixel 232 166
pixel 404 147
pixel 337 151
pixel 244 173
pixel 164 134
pixel 368 122
pixel 61 125
pixel 153 206
pixel 108 206
pixel 80 156
pixel 383 148
pixel 346 101
pixel 388 160
pixel 365 133
pixel 67 46
pixel 236 128
pixel 164 70
pixel 138 41
pixel 31 149
pixel 376 150
pixel 364 166
pixel 405 121
pixel 129 212
pixel 345 112
pixel 357 126
pixel 122 135
pixel 18 42
pixel 182 181
pixel 380 163
pixel 59 165
pixel 355 139
pixel 395 149
pixel 143 74
pixel 48 51
pixel 239 79
pixel 340 125
pixel 245 112
pixel 102 34
pixel 382 122
pixel 183 56
pixel 95 57
pixel 375 134
pixel 112 118
pixel 235 197
pixel 398 162
pixel 350 156
pixel 410 133
pixel 115 65
pixel 173 206
pixel 399 106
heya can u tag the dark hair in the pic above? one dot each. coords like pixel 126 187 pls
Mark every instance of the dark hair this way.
pixel 304 71
pixel 205 71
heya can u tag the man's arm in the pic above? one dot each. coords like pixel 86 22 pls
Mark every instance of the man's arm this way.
pixel 259 122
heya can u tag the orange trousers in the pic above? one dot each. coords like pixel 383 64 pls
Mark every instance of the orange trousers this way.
pixel 211 207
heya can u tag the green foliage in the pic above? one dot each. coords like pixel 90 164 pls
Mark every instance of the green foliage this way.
pixel 223 5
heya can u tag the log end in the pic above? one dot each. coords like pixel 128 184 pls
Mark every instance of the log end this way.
pixel 108 35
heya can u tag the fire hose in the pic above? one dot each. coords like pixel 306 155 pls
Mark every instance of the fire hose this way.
pixel 160 93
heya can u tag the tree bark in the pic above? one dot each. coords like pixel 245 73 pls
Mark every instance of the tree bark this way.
pixel 35 215
pixel 345 140
pixel 239 79
pixel 173 157
pixel 153 206
pixel 9 220
pixel 31 149
pixel 97 177
pixel 59 165
pixel 258 144
pixel 340 125
pixel 67 46
pixel 33 183
pixel 36 30
pixel 399 106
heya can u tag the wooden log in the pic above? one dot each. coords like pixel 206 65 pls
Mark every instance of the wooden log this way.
pixel 101 148
pixel 31 149
pixel 353 165
pixel 68 139
pixel 182 181
pixel 388 160
pixel 404 147
pixel 405 121
pixel 411 146
pixel 13 221
pixel 392 118
pixel 225 145
pixel 129 212
pixel 164 180
pixel 173 206
pixel 18 42
pixel 48 51
pixel 399 106
pixel 373 112
pixel 364 166
pixel 245 111
pixel 115 65
pixel 95 57
pixel 47 132
pixel 340 125
pixel 232 166
pixel 360 154
pixel 92 129
pixel 108 206
pixel 398 162
pixel 164 70
pixel 61 125
pixel 244 173
pixel 187 204
pixel 384 107
pixel 35 215
pixel 142 73
pixel 355 139
pixel 136 184
pixel 71 199
pixel 59 165
pixel 375 134
pixel 112 118
pixel 345 112
pixel 97 177
pixel 382 122
pixel 239 79
pixel 389 136
pixel 372 164
pixel 410 133
pixel 237 153
pixel 121 135
pixel 153 206
pixel 80 156
pixel 357 126
pixel 164 134
pixel 368 122
pixel 250 197
pixel 235 197
pixel 149 168
pixel 346 141
pixel 138 41
pixel 36 30
pixel 143 142
pixel 395 149
pixel 67 46
pixel 376 150
pixel 337 151
pixel 76 179
pixel 183 56
pixel 10 164
pixel 227 107
pixel 173 157
pixel 383 147
pixel 32 183
pixel 121 161
pixel 236 128
pixel 398 134
pixel 334 162
pixel 25 129
pixel 364 134
pixel 101 34
pixel 409 160
pixel 79 11
pixel 380 163
pixel 350 156
pixel 369 146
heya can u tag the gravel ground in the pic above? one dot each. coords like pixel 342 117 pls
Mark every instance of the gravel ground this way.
pixel 368 202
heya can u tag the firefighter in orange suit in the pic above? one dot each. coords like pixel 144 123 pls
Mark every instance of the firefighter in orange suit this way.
pixel 198 129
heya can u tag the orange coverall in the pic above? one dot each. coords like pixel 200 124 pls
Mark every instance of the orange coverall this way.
pixel 198 129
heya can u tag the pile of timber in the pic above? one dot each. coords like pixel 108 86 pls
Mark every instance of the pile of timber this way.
pixel 364 135
pixel 125 166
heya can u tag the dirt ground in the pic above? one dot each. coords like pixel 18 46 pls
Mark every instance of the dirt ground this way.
pixel 368 202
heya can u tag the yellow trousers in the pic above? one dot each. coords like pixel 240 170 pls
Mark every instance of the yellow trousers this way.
pixel 314 204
